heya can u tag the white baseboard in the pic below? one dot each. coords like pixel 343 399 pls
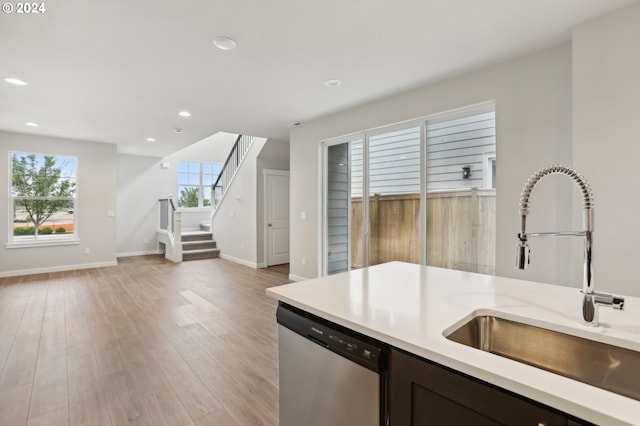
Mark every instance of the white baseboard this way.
pixel 262 265
pixel 139 253
pixel 297 278
pixel 238 260
pixel 57 269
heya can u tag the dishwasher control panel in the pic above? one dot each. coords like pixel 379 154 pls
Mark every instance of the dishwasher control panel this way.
pixel 358 348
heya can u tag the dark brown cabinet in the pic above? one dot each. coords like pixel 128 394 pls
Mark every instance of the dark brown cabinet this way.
pixel 422 393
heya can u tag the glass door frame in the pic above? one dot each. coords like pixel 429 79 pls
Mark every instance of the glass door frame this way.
pixel 422 123
pixel 323 259
pixel 323 202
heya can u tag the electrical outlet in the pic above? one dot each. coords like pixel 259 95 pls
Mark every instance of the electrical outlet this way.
pixel 87 250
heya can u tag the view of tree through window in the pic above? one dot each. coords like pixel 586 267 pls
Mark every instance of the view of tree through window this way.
pixel 194 183
pixel 43 196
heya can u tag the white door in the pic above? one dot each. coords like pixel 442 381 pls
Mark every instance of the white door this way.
pixel 277 215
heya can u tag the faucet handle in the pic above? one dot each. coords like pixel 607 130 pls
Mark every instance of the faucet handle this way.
pixel 618 303
pixel 615 302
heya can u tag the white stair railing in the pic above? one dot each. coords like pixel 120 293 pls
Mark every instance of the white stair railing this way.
pixel 171 223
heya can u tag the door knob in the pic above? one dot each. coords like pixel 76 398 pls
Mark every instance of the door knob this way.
pixel 270 224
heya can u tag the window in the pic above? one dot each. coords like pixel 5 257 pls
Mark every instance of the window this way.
pixel 490 170
pixel 42 198
pixel 194 183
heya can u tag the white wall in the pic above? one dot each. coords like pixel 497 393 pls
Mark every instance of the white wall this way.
pixel 606 119
pixel 214 149
pixel 142 182
pixel 533 125
pixel 96 195
pixel 234 223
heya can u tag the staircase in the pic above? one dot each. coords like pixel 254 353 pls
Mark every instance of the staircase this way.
pixel 231 165
pixel 199 245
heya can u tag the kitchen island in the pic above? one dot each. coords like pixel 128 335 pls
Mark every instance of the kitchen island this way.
pixel 412 308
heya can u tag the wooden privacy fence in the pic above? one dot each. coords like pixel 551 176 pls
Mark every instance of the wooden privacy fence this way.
pixel 461 228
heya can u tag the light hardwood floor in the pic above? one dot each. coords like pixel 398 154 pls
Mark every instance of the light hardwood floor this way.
pixel 147 342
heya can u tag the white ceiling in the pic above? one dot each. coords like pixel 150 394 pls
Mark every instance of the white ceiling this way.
pixel 119 71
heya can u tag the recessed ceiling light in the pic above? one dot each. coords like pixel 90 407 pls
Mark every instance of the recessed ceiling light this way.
pixel 184 114
pixel 16 81
pixel 224 43
pixel 32 124
pixel 332 82
pixel 151 140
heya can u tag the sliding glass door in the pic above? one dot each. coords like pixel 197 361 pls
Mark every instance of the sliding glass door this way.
pixel 372 200
pixel 460 178
pixel 393 174
pixel 421 192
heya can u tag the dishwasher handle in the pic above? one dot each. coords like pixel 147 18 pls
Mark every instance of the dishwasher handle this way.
pixel 319 342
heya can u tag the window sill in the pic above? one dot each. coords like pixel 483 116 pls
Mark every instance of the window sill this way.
pixel 50 243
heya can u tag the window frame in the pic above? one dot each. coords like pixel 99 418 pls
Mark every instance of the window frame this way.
pixel 41 240
pixel 490 161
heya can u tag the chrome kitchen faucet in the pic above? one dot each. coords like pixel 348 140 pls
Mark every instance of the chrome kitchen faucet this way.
pixel 589 298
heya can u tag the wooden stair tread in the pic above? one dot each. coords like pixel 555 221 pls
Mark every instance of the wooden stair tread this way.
pixel 203 250
pixel 196 236
pixel 186 245
pixel 200 254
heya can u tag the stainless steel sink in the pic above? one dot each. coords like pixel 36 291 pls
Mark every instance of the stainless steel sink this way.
pixel 602 365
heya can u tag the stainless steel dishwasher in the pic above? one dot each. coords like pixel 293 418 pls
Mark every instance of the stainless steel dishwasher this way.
pixel 329 375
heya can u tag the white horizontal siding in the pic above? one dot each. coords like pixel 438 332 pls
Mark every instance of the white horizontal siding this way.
pixel 461 142
pixel 394 157
pixel 394 163
pixel 454 144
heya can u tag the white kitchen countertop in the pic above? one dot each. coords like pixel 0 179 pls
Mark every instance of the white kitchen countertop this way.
pixel 412 307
